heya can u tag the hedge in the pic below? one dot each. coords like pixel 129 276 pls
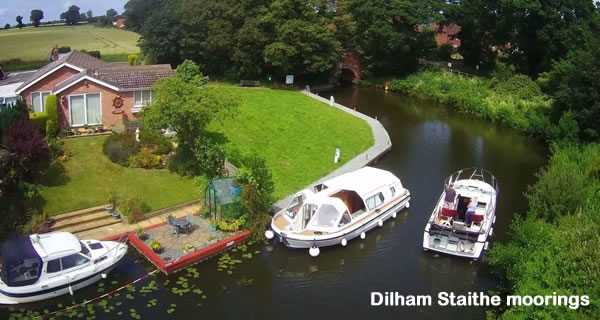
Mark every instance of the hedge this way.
pixel 52 128
pixel 39 120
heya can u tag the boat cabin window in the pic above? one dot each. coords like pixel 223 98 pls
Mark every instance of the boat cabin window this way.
pixel 392 191
pixel 53 266
pixel 375 201
pixel 326 217
pixel 320 187
pixel 84 249
pixel 295 206
pixel 73 260
pixel 346 218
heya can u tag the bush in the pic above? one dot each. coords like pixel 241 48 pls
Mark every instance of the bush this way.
pixel 93 53
pixel 133 208
pixel 156 142
pixel 257 194
pixel 52 112
pixel 34 224
pixel 64 49
pixel 55 147
pixel 519 87
pixel 119 147
pixel 145 159
pixel 133 59
pixel 39 120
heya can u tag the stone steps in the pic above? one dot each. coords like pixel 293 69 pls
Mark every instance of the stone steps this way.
pixel 84 220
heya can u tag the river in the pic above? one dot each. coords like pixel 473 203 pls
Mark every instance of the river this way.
pixel 430 142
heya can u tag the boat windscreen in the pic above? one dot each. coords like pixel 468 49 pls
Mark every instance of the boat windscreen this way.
pixel 21 265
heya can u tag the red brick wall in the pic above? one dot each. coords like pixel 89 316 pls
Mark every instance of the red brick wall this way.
pixel 48 83
pixel 110 115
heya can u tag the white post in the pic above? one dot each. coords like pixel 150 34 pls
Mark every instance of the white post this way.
pixel 336 158
pixel 331 101
pixel 137 134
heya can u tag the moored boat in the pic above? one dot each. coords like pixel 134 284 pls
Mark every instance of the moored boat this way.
pixel 463 217
pixel 339 210
pixel 43 266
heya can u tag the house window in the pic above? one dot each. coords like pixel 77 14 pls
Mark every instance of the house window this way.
pixel 85 109
pixel 38 100
pixel 7 102
pixel 143 97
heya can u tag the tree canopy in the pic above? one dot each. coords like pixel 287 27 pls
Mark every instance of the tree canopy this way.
pixel 36 16
pixel 71 16
pixel 19 21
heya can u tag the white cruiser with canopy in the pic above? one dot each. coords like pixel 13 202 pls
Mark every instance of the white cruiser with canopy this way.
pixel 43 266
pixel 452 229
pixel 340 209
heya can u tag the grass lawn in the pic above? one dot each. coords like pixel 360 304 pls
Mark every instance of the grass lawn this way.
pixel 89 177
pixel 297 135
pixel 35 43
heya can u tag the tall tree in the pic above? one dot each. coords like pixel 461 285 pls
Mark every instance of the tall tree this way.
pixel 19 22
pixel 138 11
pixel 72 15
pixel 36 16
pixel 7 26
pixel 111 14
pixel 389 34
pixel 89 14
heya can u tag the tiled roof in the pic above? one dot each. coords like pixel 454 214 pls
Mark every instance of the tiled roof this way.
pixel 118 74
pixel 133 77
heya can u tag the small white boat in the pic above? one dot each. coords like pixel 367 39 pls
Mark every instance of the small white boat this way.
pixel 454 231
pixel 339 210
pixel 44 266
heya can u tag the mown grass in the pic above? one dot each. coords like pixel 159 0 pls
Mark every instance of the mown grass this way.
pixel 86 179
pixel 514 102
pixel 20 65
pixel 296 134
pixel 34 44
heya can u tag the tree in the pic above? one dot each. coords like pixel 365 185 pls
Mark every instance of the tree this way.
pixel 71 16
pixel 7 26
pixel 36 16
pixel 82 16
pixel 257 195
pixel 111 15
pixel 160 37
pixel 389 35
pixel 19 22
pixel 187 108
pixel 574 83
pixel 89 14
pixel 138 11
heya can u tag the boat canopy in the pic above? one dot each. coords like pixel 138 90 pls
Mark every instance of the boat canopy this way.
pixel 364 181
pixel 328 215
pixel 21 264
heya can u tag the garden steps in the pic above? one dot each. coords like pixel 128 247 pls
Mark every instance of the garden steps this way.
pixel 84 220
pixel 91 225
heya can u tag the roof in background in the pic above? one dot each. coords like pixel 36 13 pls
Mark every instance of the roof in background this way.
pixel 134 77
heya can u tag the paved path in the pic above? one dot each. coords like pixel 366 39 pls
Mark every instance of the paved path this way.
pixel 381 146
pixel 120 228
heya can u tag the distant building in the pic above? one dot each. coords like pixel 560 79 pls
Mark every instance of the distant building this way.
pixel 119 23
pixel 447 35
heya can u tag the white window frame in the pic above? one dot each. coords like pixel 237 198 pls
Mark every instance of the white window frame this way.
pixel 84 95
pixel 140 105
pixel 42 101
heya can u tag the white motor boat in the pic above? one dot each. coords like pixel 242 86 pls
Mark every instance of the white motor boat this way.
pixel 339 210
pixel 44 266
pixel 451 229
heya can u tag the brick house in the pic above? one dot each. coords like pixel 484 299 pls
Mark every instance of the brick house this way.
pixel 91 91
pixel 448 34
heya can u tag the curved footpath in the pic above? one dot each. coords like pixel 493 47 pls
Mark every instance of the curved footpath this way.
pixel 382 145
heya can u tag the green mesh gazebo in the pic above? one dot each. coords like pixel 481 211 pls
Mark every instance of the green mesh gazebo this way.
pixel 222 198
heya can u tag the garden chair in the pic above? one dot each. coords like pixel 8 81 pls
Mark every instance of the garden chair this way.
pixel 171 222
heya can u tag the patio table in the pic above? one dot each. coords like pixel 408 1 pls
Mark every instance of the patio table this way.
pixel 183 224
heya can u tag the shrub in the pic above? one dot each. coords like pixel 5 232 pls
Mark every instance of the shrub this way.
pixel 52 125
pixel 55 147
pixel 119 147
pixel 519 87
pixel 34 224
pixel 64 49
pixel 93 53
pixel 210 157
pixel 133 59
pixel 145 159
pixel 39 120
pixel 156 142
pixel 140 232
pixel 257 194
pixel 27 143
pixel 133 208
pixel 155 245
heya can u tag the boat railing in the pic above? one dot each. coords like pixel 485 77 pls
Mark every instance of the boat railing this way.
pixel 122 239
pixel 473 173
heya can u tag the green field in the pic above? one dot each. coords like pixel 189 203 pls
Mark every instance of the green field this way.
pixel 35 43
pixel 296 134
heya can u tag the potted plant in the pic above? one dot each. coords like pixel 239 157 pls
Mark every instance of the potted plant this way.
pixel 188 248
pixel 155 246
pixel 110 207
pixel 140 233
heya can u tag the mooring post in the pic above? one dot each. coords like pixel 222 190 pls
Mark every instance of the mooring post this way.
pixel 331 101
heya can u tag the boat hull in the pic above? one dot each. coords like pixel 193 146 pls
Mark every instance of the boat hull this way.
pixel 292 241
pixel 462 250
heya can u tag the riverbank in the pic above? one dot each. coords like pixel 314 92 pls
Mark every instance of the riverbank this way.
pixel 382 144
pixel 516 101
